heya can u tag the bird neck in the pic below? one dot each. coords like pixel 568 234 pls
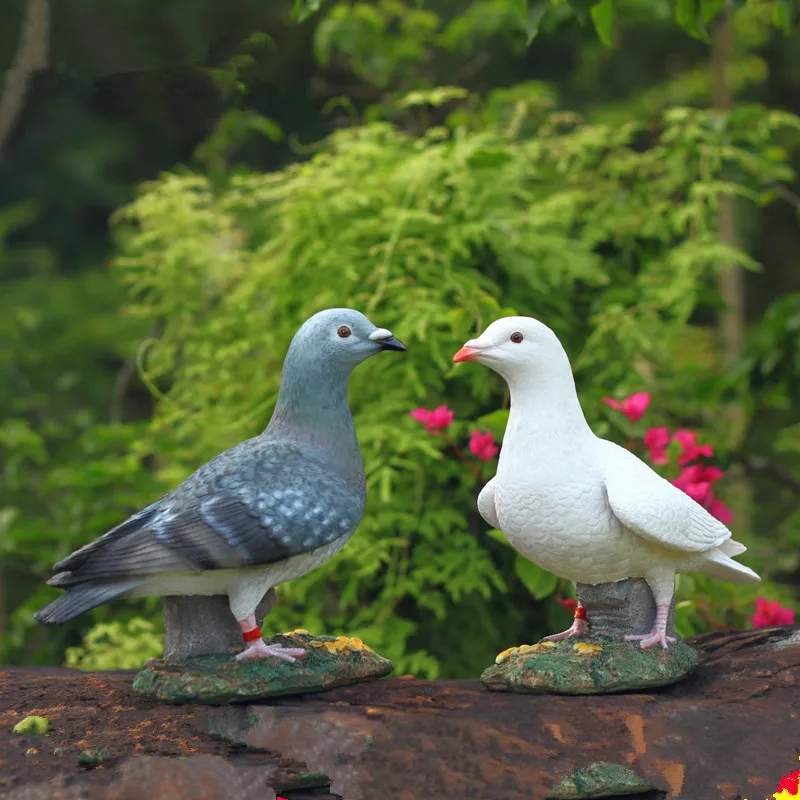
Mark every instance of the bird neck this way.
pixel 545 408
pixel 312 409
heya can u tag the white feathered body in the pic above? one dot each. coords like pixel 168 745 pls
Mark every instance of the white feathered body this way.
pixel 591 512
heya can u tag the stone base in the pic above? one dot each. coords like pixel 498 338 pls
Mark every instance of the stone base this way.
pixel 597 664
pixel 219 679
pixel 599 779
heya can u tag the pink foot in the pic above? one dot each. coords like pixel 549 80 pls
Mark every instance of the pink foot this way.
pixel 659 633
pixel 259 649
pixel 579 627
pixel 647 640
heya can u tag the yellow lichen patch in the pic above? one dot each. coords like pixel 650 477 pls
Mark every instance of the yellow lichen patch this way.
pixel 583 649
pixel 300 630
pixel 504 656
pixel 342 643
pixel 522 650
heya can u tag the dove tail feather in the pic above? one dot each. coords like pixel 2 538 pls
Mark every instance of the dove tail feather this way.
pixel 718 564
pixel 81 598
pixel 732 548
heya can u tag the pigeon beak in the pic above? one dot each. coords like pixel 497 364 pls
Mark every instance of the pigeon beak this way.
pixel 386 340
pixel 466 353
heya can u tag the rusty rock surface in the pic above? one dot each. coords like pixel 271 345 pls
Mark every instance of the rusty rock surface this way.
pixel 731 730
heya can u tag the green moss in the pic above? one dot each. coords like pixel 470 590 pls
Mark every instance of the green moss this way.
pixel 617 666
pixel 93 757
pixel 219 679
pixel 32 725
pixel 599 779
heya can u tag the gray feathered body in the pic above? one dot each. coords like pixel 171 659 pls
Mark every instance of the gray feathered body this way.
pixel 256 505
pixel 263 512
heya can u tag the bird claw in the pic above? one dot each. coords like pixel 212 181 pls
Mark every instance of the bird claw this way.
pixel 648 640
pixel 259 650
pixel 579 627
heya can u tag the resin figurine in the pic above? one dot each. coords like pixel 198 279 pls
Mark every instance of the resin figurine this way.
pixel 262 513
pixel 582 507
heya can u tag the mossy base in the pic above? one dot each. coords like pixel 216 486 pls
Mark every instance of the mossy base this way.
pixel 588 665
pixel 219 679
pixel 599 779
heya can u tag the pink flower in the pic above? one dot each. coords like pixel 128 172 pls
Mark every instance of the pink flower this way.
pixel 697 473
pixel 697 481
pixel 690 450
pixel 719 510
pixel 568 602
pixel 632 407
pixel 656 441
pixel 437 420
pixel 771 613
pixel 483 446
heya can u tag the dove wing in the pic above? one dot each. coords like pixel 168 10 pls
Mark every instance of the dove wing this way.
pixel 654 509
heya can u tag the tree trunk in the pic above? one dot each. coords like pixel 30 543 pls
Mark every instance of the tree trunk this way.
pixel 730 280
pixel 31 55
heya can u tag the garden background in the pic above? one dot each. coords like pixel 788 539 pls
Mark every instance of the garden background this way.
pixel 181 186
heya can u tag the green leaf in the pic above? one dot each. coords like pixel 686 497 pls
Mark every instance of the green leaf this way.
pixel 709 10
pixel 539 582
pixel 689 15
pixel 581 8
pixel 303 9
pixel 603 18
pixel 531 15
pixel 782 14
pixel 496 422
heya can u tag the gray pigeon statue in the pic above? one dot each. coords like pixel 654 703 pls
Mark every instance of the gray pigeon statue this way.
pixel 262 513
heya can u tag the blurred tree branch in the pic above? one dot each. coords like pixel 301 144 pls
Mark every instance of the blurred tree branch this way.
pixel 32 55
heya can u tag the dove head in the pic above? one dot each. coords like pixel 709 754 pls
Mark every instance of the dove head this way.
pixel 513 345
pixel 338 340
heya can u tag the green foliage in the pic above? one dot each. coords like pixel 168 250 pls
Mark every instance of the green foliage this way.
pixel 694 16
pixel 117 645
pixel 514 205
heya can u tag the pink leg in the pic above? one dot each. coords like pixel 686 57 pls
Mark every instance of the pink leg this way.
pixel 659 633
pixel 579 627
pixel 255 648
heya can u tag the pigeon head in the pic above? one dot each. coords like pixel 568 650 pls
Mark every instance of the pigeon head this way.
pixel 339 339
pixel 513 347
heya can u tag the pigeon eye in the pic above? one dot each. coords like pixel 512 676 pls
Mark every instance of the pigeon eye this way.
pixel 516 337
pixel 344 332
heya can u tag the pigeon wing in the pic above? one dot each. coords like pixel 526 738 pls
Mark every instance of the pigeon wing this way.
pixel 654 509
pixel 267 505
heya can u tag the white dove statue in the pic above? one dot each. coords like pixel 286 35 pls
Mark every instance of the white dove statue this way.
pixel 580 506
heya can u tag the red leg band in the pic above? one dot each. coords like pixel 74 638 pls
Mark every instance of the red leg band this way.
pixel 252 634
pixel 580 613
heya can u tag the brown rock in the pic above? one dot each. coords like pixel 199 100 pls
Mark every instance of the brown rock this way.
pixel 197 777
pixel 730 729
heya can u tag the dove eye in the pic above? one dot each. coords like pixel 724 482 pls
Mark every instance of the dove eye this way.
pixel 516 337
pixel 344 332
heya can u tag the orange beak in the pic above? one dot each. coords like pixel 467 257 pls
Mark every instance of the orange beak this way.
pixel 464 354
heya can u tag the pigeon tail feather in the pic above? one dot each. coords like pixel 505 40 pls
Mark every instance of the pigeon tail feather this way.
pixel 82 598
